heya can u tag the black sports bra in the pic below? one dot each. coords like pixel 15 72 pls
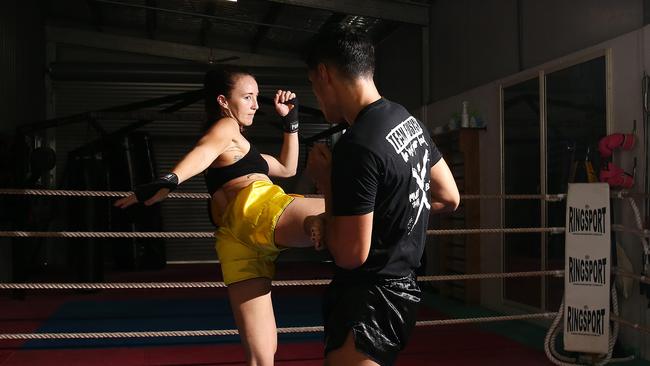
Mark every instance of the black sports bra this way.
pixel 252 162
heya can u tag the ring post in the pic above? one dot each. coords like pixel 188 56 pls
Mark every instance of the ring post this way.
pixel 587 265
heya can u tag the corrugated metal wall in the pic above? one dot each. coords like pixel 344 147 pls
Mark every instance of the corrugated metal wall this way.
pixel 22 48
pixel 7 117
pixel 30 66
pixel 7 65
pixel 170 140
pixel 22 64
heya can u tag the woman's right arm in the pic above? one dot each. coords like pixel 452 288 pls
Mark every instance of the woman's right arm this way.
pixel 209 147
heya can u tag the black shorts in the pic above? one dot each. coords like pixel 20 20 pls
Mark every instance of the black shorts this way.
pixel 381 314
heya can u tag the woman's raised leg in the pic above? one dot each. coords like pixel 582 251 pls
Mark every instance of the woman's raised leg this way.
pixel 293 227
pixel 253 310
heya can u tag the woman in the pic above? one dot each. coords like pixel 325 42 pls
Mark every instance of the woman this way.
pixel 256 218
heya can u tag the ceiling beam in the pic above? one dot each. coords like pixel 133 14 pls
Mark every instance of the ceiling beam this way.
pixel 295 77
pixel 335 18
pixel 172 50
pixel 404 12
pixel 96 15
pixel 271 17
pixel 385 31
pixel 151 19
pixel 206 25
pixel 201 15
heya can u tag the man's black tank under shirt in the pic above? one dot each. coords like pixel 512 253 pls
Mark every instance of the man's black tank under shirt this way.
pixel 252 162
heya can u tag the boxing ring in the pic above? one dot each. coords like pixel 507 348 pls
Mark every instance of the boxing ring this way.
pixel 553 355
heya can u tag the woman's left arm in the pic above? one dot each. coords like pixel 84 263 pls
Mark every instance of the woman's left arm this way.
pixel 286 164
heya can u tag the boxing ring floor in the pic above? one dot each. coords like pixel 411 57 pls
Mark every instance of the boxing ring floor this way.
pixel 505 343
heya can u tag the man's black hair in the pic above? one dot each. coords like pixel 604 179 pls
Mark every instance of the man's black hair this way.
pixel 351 51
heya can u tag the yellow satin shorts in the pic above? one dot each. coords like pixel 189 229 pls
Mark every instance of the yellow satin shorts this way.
pixel 246 238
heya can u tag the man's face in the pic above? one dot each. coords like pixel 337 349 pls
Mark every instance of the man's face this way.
pixel 321 85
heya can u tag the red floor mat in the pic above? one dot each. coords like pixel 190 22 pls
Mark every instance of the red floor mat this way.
pixel 446 345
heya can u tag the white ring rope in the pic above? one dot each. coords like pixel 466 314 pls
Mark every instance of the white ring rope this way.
pixel 113 194
pixel 107 234
pixel 210 234
pixel 485 319
pixel 552 354
pixel 544 197
pixel 74 193
pixel 641 235
pixel 194 195
pixel 313 329
pixel 288 283
pixel 511 230
pixel 225 332
pixel 630 324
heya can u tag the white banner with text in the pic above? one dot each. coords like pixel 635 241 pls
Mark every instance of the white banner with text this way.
pixel 587 268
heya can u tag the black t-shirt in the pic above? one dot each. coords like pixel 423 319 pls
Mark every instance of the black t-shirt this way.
pixel 382 164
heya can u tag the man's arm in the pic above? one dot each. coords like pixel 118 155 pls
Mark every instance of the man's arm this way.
pixel 444 192
pixel 347 238
pixel 348 234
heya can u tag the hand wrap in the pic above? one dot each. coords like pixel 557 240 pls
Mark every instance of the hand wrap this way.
pixel 145 191
pixel 290 121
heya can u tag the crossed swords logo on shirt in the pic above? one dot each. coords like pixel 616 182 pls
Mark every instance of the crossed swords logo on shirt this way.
pixel 419 198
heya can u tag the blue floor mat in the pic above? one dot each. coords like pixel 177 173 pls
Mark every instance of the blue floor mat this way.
pixel 164 315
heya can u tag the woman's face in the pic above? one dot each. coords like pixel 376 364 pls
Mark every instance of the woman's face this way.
pixel 242 103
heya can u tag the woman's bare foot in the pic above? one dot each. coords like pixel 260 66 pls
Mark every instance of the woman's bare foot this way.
pixel 315 228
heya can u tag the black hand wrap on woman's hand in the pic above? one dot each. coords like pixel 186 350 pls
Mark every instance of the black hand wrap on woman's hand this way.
pixel 145 191
pixel 290 121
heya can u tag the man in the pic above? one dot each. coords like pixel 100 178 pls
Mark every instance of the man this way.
pixel 380 182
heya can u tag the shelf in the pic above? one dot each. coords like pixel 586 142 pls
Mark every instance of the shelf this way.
pixel 461 254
